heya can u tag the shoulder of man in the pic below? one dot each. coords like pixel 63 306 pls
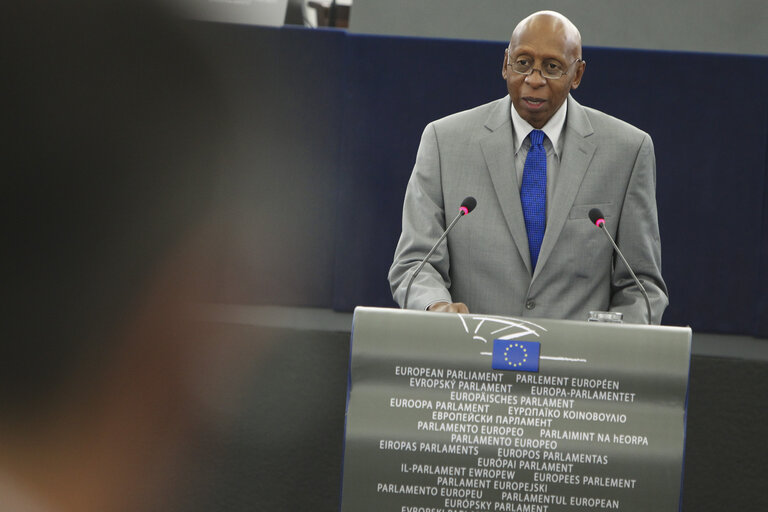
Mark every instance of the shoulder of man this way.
pixel 609 126
pixel 474 118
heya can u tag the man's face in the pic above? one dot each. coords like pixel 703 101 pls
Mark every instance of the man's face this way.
pixel 543 42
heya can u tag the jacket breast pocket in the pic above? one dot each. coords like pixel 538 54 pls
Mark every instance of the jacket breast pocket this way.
pixel 589 252
pixel 581 211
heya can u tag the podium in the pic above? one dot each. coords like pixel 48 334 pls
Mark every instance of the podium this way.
pixel 457 413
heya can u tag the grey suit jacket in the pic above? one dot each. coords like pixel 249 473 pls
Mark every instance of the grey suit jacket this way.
pixel 605 163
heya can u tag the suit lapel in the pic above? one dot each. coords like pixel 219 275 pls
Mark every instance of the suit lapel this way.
pixel 577 154
pixel 499 155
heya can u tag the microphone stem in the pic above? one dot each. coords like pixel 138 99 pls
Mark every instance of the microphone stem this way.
pixel 429 254
pixel 637 281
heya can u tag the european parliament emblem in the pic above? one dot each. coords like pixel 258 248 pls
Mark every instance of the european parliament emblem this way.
pixel 515 355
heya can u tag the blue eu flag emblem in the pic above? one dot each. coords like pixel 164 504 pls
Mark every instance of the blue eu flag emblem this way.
pixel 521 356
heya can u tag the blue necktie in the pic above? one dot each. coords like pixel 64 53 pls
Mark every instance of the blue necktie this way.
pixel 533 194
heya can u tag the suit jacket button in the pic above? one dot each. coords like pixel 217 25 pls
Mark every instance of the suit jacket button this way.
pixel 530 304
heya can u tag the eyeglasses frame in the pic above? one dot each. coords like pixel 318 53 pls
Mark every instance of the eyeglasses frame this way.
pixel 530 71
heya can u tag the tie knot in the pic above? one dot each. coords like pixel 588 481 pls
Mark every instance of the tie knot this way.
pixel 537 137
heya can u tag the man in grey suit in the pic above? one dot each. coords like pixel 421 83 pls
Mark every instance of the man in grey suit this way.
pixel 593 160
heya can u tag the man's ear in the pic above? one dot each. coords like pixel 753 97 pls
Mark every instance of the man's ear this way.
pixel 504 63
pixel 579 74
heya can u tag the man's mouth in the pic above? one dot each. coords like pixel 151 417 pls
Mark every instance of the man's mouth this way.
pixel 534 103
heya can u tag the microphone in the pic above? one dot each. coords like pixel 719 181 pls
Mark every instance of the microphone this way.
pixel 598 219
pixel 466 207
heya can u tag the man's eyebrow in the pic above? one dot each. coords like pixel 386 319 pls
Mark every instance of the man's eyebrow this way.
pixel 529 53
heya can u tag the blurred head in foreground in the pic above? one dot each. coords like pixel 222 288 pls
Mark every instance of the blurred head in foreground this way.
pixel 107 166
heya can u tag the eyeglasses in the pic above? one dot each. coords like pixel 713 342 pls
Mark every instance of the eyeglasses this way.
pixel 551 69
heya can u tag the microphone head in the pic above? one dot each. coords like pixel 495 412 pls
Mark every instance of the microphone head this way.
pixel 468 204
pixel 597 217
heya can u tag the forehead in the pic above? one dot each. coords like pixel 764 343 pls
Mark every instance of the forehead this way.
pixel 546 38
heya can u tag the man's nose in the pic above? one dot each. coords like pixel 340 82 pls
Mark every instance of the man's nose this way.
pixel 535 79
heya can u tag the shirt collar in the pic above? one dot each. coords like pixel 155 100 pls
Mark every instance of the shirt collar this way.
pixel 553 129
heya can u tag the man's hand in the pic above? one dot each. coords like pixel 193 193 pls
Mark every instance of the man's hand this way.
pixel 448 307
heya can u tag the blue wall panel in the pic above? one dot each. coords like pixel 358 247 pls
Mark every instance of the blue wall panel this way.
pixel 394 87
